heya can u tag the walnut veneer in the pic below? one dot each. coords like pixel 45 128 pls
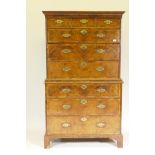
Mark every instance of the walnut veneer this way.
pixel 83 86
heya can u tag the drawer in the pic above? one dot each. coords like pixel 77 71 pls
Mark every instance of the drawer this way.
pixel 84 35
pixel 97 52
pixel 108 23
pixel 59 22
pixel 83 69
pixel 74 90
pixel 83 22
pixel 83 106
pixel 83 125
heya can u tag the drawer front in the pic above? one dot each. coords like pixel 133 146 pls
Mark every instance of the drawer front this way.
pixel 108 23
pixel 96 52
pixel 84 21
pixel 83 125
pixel 83 69
pixel 83 106
pixel 83 35
pixel 74 90
pixel 59 22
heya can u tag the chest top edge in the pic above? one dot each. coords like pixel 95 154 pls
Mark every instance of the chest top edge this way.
pixel 115 14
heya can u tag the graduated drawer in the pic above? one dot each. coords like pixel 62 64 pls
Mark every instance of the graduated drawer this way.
pixel 83 125
pixel 84 35
pixel 74 90
pixel 83 106
pixel 83 69
pixel 84 21
pixel 83 51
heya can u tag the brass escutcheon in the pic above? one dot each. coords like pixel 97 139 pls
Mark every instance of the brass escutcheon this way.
pixel 100 69
pixel 83 86
pixel 84 21
pixel 66 35
pixel 59 21
pixel 83 101
pixel 66 106
pixel 66 90
pixel 66 69
pixel 100 35
pixel 100 125
pixel 100 51
pixel 107 21
pixel 66 125
pixel 101 106
pixel 83 119
pixel 83 47
pixel 101 90
pixel 83 64
pixel 66 50
pixel 83 32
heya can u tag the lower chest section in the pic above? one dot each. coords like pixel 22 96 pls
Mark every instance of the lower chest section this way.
pixel 83 107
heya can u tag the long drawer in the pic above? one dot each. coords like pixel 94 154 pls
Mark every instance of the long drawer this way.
pixel 83 69
pixel 84 35
pixel 96 52
pixel 62 90
pixel 86 21
pixel 83 125
pixel 83 106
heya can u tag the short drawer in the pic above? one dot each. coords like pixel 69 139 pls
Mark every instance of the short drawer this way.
pixel 83 125
pixel 73 90
pixel 59 22
pixel 84 35
pixel 83 106
pixel 108 23
pixel 95 52
pixel 83 69
pixel 83 22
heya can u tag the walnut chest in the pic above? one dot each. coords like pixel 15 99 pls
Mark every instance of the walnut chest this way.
pixel 83 86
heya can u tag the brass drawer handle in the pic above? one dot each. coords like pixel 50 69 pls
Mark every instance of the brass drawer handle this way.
pixel 83 64
pixel 83 101
pixel 100 35
pixel 101 106
pixel 84 21
pixel 83 32
pixel 66 125
pixel 66 50
pixel 83 119
pixel 100 51
pixel 59 21
pixel 66 69
pixel 66 90
pixel 101 125
pixel 66 35
pixel 108 21
pixel 83 47
pixel 100 69
pixel 101 90
pixel 83 86
pixel 66 106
